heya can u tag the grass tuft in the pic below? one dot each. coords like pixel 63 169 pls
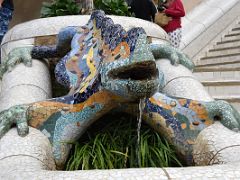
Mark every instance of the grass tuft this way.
pixel 113 146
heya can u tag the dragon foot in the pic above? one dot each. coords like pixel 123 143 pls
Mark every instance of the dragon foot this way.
pixel 14 115
pixel 16 56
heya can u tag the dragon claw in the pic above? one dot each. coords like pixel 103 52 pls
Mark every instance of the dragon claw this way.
pixel 174 59
pixel 16 56
pixel 22 129
pixel 14 115
pixel 28 62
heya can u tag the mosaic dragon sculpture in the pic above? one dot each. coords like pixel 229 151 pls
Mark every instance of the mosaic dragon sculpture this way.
pixel 107 68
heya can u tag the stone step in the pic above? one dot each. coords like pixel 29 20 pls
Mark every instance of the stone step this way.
pixel 227 41
pixel 223 51
pixel 217 75
pixel 218 60
pixel 222 88
pixel 233 33
pixel 214 68
pixel 222 82
pixel 229 44
pixel 236 28
pixel 232 99
pixel 230 38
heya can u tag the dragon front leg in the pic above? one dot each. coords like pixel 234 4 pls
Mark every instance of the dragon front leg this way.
pixel 69 127
pixel 174 55
pixel 16 56
pixel 14 115
pixel 26 54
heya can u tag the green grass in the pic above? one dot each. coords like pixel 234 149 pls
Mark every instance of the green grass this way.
pixel 112 143
pixel 60 8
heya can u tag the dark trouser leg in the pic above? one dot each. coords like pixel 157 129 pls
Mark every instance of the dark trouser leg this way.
pixel 5 18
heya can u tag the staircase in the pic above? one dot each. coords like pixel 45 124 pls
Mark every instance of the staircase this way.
pixel 218 68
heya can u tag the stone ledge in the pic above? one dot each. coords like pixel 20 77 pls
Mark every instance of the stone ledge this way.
pixel 221 82
pixel 219 76
pixel 51 26
pixel 24 167
pixel 230 98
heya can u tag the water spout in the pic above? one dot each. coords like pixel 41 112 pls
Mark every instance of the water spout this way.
pixel 141 107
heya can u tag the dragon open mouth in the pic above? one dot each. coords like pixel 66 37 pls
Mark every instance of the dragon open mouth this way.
pixel 139 71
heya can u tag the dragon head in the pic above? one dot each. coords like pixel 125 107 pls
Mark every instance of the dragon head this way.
pixel 128 67
pixel 133 77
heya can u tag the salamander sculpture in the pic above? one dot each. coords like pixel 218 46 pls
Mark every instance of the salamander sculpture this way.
pixel 107 68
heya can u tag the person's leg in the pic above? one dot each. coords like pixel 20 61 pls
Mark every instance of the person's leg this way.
pixel 86 5
pixel 5 18
pixel 175 37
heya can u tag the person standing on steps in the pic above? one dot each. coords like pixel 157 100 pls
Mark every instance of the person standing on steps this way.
pixel 86 5
pixel 175 10
pixel 144 9
pixel 6 12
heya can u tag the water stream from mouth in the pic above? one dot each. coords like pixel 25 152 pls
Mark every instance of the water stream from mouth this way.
pixel 141 107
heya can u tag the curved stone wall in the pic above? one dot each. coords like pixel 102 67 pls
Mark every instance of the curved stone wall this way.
pixel 180 82
pixel 25 84
pixel 28 159
pixel 217 145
